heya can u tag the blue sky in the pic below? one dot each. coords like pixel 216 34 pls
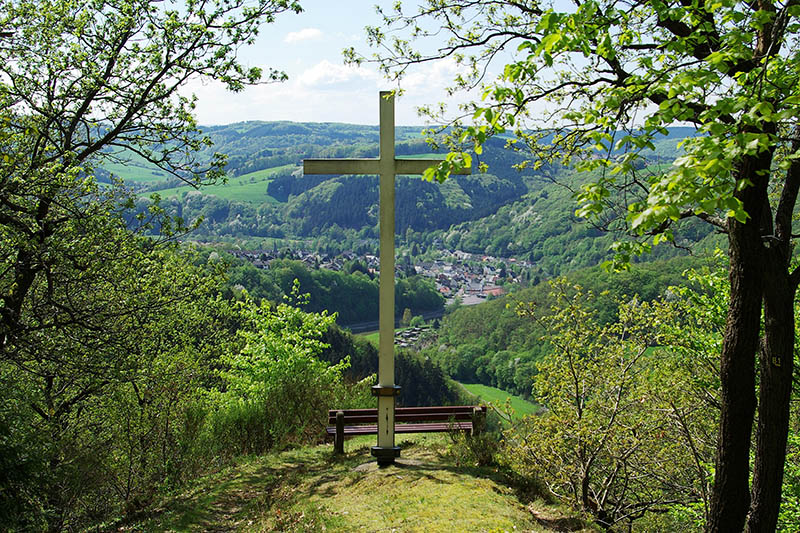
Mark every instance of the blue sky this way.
pixel 308 47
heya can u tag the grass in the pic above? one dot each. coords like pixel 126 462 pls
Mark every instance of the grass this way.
pixel 374 336
pixel 310 489
pixel 250 187
pixel 136 171
pixel 498 397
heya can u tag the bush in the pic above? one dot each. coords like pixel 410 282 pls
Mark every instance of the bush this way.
pixel 474 450
pixel 277 389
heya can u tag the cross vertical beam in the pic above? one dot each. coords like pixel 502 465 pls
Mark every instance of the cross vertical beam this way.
pixel 386 166
pixel 386 451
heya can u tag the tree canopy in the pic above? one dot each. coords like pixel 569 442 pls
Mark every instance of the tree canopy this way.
pixel 84 83
pixel 594 84
pixel 93 317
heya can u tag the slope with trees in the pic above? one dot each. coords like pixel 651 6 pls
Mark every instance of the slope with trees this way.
pixel 491 344
pixel 353 296
pixel 102 332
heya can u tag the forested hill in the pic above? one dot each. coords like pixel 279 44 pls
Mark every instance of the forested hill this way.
pixel 506 212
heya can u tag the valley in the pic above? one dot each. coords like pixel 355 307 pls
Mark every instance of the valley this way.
pixel 490 239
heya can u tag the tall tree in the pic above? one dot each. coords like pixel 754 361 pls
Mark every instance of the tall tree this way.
pixel 596 83
pixel 82 83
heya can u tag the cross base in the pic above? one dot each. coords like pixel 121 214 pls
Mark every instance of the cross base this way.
pixel 385 456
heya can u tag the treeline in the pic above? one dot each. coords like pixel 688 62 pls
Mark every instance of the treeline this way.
pixel 527 214
pixel 253 146
pixel 351 293
pixel 291 205
pixel 422 382
pixel 631 387
pixel 491 344
pixel 311 205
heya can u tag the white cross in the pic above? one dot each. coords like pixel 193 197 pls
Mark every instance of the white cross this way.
pixel 387 166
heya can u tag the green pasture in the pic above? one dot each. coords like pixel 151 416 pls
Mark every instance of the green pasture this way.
pixel 136 171
pixel 250 187
pixel 374 336
pixel 498 397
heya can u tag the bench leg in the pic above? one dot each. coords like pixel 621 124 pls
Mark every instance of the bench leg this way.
pixel 338 442
pixel 478 421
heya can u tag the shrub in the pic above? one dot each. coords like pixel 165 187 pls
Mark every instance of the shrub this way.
pixel 277 389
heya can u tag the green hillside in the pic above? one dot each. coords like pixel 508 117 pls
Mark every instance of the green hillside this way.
pixel 524 214
pixel 498 397
pixel 134 169
pixel 308 489
pixel 248 188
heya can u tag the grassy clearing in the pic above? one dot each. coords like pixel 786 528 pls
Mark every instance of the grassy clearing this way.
pixel 498 397
pixel 251 187
pixel 310 489
pixel 374 336
pixel 136 171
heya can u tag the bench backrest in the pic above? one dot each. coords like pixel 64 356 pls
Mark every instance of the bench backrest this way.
pixel 408 414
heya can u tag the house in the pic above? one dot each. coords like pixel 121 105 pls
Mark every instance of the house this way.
pixel 494 291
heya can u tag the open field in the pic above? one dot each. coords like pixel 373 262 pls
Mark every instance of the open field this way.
pixel 498 397
pixel 374 336
pixel 251 187
pixel 136 171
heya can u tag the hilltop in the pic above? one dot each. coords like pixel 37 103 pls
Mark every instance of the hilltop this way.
pixel 431 489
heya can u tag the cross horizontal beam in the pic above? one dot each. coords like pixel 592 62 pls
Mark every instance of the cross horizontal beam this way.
pixel 370 166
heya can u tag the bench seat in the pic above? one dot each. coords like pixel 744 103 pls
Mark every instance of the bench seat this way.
pixel 354 422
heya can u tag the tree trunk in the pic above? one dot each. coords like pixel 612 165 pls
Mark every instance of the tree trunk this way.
pixel 730 496
pixel 776 362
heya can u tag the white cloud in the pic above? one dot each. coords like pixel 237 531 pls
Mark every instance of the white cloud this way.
pixel 305 34
pixel 330 74
pixel 437 74
pixel 324 92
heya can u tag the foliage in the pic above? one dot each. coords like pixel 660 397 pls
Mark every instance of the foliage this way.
pixel 422 382
pixel 105 337
pixel 611 440
pixel 112 408
pixel 520 213
pixel 85 84
pixel 594 84
pixel 416 321
pixel 352 296
pixel 490 343
pixel 474 450
pixel 405 320
pixel 790 506
pixel 542 228
pixel 276 388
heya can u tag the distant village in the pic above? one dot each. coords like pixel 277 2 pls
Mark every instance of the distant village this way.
pixel 470 277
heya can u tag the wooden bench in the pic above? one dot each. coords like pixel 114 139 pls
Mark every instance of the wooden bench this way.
pixel 351 422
